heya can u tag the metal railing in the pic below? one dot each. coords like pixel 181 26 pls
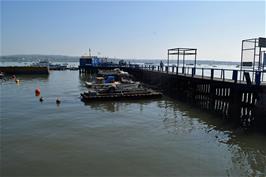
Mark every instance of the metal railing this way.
pixel 231 75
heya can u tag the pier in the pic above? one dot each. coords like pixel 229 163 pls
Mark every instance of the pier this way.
pixel 234 100
pixel 237 95
pixel 24 70
pixel 239 102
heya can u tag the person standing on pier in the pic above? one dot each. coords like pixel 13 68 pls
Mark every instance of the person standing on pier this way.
pixel 161 65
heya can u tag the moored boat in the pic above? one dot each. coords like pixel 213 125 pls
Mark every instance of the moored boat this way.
pixel 92 95
pixel 117 85
pixel 51 66
pixel 113 78
pixel 2 75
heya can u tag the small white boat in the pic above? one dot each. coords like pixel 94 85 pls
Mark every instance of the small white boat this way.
pixel 46 63
pixel 43 63
pixel 114 85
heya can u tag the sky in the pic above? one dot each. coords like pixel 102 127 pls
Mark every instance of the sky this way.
pixel 136 29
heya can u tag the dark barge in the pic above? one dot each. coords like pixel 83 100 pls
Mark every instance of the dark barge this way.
pixel 123 95
pixel 24 70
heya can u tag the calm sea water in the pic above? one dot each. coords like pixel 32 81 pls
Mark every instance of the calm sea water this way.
pixel 160 137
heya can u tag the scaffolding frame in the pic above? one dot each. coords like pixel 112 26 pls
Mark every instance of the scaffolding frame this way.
pixel 183 52
pixel 258 47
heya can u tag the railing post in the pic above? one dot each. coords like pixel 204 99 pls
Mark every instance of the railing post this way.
pixel 173 68
pixel 247 77
pixel 166 69
pixel 177 70
pixel 183 70
pixel 212 74
pixel 193 71
pixel 243 77
pixel 202 72
pixel 262 76
pixel 234 76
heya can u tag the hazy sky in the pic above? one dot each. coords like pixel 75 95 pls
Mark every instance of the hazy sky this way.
pixel 129 29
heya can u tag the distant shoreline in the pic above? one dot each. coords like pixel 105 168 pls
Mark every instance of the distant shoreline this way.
pixel 64 58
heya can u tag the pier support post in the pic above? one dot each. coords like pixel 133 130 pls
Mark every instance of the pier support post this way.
pixel 235 105
pixel 212 98
pixel 257 78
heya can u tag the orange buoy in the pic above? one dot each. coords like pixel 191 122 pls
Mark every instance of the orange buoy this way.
pixel 37 92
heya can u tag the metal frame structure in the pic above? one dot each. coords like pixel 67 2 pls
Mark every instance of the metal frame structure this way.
pixel 182 52
pixel 258 48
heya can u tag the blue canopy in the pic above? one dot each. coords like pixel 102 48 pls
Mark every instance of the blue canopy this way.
pixel 110 79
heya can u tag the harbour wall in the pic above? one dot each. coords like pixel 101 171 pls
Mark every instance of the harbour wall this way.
pixel 24 70
pixel 240 103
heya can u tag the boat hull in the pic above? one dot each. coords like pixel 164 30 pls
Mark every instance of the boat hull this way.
pixel 120 96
